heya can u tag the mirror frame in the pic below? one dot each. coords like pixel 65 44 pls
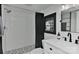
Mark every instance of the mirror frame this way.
pixel 49 16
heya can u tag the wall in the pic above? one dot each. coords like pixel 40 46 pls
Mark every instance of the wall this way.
pixel 58 9
pixel 73 22
pixel 77 20
pixel 20 28
pixel 0 25
pixel 50 10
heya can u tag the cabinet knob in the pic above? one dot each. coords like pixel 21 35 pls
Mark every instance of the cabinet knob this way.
pixel 50 48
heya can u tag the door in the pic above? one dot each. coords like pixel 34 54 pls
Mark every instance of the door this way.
pixel 0 31
pixel 39 29
pixel 1 45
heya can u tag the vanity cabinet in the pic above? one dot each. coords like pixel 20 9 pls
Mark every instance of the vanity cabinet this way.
pixel 50 49
pixel 54 46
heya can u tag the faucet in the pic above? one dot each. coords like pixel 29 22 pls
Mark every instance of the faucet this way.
pixel 65 39
pixel 69 34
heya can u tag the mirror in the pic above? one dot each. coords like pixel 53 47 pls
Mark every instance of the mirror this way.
pixel 70 20
pixel 50 23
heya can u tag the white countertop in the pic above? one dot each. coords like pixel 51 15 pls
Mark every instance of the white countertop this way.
pixel 69 47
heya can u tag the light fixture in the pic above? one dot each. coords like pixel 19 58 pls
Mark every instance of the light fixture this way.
pixel 66 6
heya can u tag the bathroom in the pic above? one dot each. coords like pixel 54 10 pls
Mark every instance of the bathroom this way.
pixel 66 34
pixel 21 29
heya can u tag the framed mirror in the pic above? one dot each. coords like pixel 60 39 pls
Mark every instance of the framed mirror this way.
pixel 50 23
pixel 70 20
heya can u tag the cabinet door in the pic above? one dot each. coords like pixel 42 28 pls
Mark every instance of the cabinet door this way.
pixel 51 49
pixel 47 48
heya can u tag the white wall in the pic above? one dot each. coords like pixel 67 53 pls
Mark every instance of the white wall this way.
pixel 50 10
pixel 77 21
pixel 73 22
pixel 20 28
pixel 58 9
pixel 1 25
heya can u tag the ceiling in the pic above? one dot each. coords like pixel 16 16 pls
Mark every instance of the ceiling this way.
pixel 34 7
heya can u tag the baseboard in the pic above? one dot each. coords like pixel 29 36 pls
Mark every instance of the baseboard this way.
pixel 20 50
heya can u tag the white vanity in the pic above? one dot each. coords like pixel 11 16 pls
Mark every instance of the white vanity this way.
pixel 55 46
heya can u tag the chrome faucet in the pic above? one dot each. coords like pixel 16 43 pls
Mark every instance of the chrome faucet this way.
pixel 70 39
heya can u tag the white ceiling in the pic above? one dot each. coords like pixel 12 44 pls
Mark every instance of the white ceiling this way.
pixel 34 7
pixel 38 7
